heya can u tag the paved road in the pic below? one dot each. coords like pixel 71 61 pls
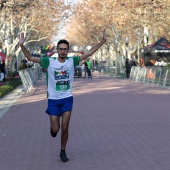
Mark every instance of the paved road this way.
pixel 115 125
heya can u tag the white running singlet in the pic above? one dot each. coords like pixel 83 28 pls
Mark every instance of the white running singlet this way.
pixel 59 76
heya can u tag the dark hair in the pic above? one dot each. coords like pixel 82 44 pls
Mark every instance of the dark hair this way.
pixel 63 42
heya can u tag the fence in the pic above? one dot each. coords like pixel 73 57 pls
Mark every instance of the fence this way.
pixel 110 67
pixel 114 71
pixel 153 75
pixel 30 76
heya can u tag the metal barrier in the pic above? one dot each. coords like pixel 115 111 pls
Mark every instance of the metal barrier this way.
pixel 29 77
pixel 153 75
pixel 111 71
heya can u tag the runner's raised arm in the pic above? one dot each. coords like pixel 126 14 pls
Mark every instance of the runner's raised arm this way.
pixel 94 49
pixel 24 50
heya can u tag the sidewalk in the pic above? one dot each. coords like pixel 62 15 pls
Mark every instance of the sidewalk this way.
pixel 115 125
pixel 10 99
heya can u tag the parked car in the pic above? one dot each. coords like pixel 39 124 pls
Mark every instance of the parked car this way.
pixel 78 71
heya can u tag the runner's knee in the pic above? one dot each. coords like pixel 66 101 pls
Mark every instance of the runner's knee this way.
pixel 64 128
pixel 55 129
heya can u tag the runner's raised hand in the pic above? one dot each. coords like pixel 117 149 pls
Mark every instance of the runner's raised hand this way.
pixel 21 39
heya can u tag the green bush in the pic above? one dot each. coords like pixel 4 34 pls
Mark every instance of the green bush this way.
pixel 9 85
pixel 12 74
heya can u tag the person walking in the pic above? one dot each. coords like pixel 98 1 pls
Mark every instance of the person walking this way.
pixel 127 64
pixel 2 71
pixel 59 86
pixel 89 65
pixel 85 68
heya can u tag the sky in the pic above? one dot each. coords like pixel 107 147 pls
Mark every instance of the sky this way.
pixel 62 31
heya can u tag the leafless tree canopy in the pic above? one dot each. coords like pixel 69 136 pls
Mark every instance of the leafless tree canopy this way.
pixel 83 21
pixel 121 18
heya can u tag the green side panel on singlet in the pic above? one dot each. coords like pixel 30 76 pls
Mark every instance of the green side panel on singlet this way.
pixel 45 63
pixel 76 60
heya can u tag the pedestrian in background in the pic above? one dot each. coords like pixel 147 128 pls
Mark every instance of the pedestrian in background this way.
pixel 89 66
pixel 85 68
pixel 127 68
pixel 2 71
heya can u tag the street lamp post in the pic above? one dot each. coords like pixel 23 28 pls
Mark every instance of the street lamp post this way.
pixel 147 37
pixel 116 63
pixel 147 40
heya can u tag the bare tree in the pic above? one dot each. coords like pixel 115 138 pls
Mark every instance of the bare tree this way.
pixel 38 19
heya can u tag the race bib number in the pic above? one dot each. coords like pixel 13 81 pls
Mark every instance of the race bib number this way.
pixel 62 86
pixel 62 80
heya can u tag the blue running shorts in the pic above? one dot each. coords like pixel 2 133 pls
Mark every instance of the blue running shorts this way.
pixel 57 107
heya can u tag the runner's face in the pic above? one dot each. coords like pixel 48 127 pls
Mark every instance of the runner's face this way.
pixel 62 50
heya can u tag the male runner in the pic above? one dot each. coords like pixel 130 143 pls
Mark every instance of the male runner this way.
pixel 60 74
